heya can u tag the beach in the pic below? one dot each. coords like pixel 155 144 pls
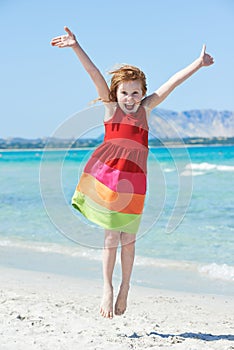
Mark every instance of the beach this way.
pixel 41 310
pixel 182 286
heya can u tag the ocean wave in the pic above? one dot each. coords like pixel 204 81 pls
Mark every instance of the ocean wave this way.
pixel 95 254
pixel 196 169
pixel 54 248
pixel 212 271
pixel 168 170
pixel 189 172
pixel 208 166
pixel 221 272
pixel 165 263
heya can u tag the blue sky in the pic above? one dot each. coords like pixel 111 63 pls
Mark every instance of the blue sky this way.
pixel 41 86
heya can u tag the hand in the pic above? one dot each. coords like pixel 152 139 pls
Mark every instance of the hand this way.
pixel 206 59
pixel 68 40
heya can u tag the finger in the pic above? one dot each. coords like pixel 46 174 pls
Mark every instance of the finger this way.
pixel 57 40
pixel 57 37
pixel 61 45
pixel 54 42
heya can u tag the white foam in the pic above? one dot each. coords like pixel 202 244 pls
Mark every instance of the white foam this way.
pixel 168 170
pixel 213 271
pixel 164 263
pixel 74 251
pixel 225 168
pixel 196 169
pixel 208 166
pixel 189 172
pixel 5 243
pixel 221 272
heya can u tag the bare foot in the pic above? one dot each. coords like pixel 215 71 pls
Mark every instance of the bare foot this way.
pixel 106 309
pixel 121 302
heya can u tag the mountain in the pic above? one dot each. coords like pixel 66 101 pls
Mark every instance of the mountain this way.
pixel 189 127
pixel 166 124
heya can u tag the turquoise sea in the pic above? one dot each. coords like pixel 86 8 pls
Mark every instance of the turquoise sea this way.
pixel 186 239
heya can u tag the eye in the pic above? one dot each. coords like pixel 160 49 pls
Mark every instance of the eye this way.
pixel 124 92
pixel 135 93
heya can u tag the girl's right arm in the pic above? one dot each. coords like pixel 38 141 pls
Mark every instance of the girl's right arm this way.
pixel 69 40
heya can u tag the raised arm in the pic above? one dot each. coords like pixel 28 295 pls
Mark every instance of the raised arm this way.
pixel 69 40
pixel 159 95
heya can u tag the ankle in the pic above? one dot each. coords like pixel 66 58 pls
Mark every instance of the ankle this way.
pixel 107 286
pixel 124 286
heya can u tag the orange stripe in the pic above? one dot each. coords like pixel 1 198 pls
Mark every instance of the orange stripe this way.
pixel 129 203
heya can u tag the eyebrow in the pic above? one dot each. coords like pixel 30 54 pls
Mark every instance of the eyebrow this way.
pixel 124 90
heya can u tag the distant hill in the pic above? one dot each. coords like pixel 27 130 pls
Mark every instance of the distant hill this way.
pixel 167 127
pixel 166 124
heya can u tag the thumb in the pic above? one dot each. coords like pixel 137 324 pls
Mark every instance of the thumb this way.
pixel 203 50
pixel 68 31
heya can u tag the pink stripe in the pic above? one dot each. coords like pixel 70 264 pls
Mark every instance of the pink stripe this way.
pixel 116 180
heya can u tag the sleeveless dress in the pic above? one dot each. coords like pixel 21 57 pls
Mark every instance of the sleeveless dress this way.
pixel 112 187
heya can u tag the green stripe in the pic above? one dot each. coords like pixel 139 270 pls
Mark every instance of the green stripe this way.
pixel 104 217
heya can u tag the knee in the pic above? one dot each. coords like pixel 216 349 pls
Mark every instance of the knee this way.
pixel 128 241
pixel 111 239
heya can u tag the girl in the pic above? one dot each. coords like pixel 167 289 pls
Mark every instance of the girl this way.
pixel 112 188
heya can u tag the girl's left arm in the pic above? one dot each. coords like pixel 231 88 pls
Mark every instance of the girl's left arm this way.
pixel 159 95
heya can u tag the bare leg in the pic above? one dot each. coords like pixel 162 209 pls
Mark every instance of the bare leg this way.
pixel 127 259
pixel 109 257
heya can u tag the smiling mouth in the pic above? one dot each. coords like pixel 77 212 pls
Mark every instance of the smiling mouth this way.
pixel 129 107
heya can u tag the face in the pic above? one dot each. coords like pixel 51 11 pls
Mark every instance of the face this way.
pixel 129 95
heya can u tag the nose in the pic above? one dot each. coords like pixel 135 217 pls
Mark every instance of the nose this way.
pixel 130 98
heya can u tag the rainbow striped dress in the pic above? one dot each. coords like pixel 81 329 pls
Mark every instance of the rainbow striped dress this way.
pixel 112 188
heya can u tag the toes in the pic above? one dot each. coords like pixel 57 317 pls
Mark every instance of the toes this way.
pixel 106 314
pixel 119 312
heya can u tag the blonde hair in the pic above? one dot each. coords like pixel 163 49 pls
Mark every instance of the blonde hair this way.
pixel 126 73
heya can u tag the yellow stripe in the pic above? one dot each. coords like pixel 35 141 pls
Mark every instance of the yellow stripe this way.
pixel 104 217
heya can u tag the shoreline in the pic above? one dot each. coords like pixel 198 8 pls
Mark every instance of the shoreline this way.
pixel 46 311
pixel 62 149
pixel 78 262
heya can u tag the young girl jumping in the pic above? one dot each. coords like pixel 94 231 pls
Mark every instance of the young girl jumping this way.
pixel 112 188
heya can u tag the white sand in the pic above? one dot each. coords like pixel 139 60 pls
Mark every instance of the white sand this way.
pixel 45 311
